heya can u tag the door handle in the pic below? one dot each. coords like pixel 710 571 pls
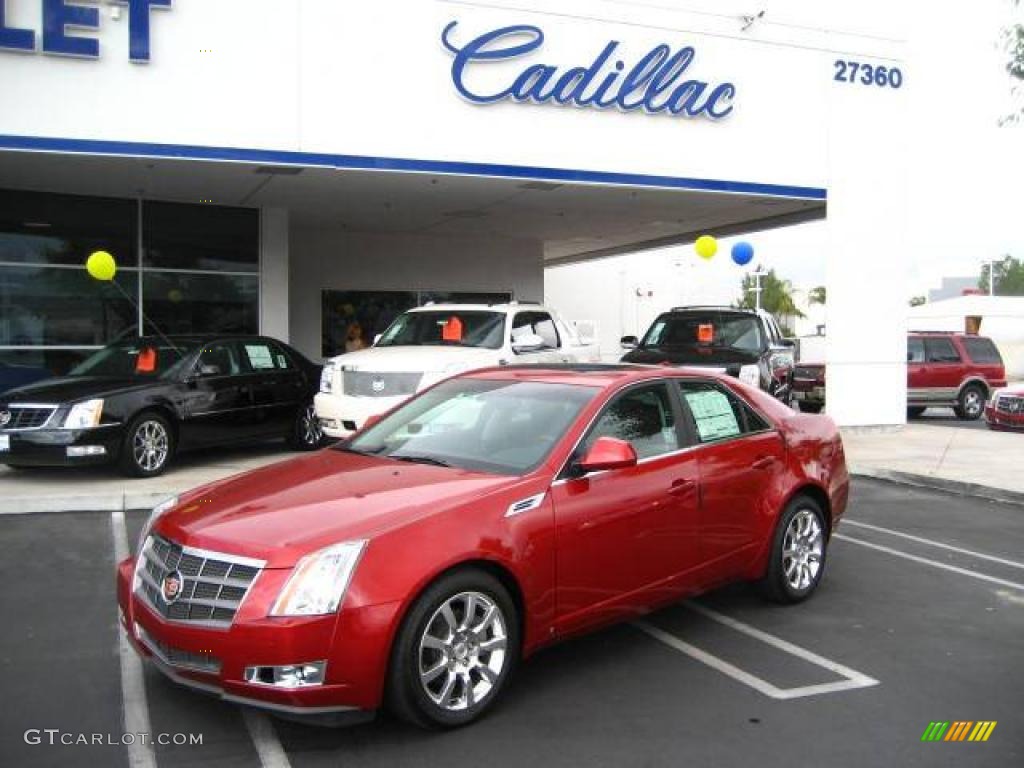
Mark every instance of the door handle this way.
pixel 765 462
pixel 681 487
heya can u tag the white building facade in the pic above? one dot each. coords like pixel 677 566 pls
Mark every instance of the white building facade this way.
pixel 306 168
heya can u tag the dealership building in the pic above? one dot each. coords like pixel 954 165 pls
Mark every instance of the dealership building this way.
pixel 310 167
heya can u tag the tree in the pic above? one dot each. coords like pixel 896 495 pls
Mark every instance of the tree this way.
pixel 917 301
pixel 817 295
pixel 776 295
pixel 1009 277
pixel 1013 38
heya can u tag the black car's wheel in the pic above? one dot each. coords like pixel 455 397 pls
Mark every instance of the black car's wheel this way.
pixel 455 651
pixel 798 553
pixel 971 403
pixel 148 445
pixel 914 411
pixel 811 407
pixel 306 434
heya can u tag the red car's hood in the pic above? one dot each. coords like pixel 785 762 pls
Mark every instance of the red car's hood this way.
pixel 282 512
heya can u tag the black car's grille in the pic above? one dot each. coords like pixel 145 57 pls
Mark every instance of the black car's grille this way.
pixel 212 585
pixel 1010 404
pixel 23 417
pixel 368 384
pixel 176 657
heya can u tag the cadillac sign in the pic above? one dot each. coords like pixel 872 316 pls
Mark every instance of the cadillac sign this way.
pixel 658 83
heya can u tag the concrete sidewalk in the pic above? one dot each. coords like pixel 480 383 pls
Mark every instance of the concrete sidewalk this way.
pixel 104 489
pixel 956 458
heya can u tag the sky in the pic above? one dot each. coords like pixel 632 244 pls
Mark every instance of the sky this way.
pixel 966 170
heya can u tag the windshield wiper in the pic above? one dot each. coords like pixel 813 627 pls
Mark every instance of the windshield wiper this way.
pixel 420 460
pixel 358 451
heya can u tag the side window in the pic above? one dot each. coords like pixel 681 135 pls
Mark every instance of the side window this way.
pixel 260 357
pixel 218 360
pixel 643 417
pixel 941 351
pixel 281 360
pixel 915 350
pixel 717 414
pixel 539 323
pixel 544 327
pixel 982 351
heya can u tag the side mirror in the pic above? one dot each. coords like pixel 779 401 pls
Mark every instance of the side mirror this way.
pixel 629 342
pixel 528 342
pixel 370 421
pixel 209 370
pixel 787 343
pixel 607 453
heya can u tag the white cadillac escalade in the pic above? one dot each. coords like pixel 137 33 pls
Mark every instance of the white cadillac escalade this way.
pixel 433 342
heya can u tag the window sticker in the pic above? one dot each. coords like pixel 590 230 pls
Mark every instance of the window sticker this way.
pixel 452 329
pixel 705 333
pixel 713 414
pixel 259 357
pixel 146 361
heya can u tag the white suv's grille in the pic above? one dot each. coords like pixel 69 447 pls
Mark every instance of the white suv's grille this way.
pixel 369 384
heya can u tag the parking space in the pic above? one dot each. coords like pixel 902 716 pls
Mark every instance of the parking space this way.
pixel 919 619
pixel 944 417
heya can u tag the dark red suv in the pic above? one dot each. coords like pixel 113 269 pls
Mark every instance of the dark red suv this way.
pixel 953 370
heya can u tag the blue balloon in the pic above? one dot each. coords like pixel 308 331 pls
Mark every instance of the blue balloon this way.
pixel 743 253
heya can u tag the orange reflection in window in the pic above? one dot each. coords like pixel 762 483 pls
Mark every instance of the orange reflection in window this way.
pixel 146 361
pixel 452 330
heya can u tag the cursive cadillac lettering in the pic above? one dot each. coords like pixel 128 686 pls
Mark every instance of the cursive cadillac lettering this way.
pixel 654 84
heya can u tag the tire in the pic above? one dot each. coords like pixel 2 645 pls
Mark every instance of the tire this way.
pixel 971 403
pixel 914 411
pixel 811 407
pixel 148 445
pixel 791 576
pixel 306 434
pixel 428 644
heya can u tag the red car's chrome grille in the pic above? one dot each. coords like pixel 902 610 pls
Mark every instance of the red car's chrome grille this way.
pixel 1010 404
pixel 192 585
pixel 175 657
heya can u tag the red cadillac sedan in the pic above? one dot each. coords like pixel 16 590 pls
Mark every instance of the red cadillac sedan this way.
pixel 414 565
pixel 1005 409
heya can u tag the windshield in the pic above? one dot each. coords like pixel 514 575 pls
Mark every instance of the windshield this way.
pixel 709 330
pixel 476 328
pixel 139 359
pixel 505 427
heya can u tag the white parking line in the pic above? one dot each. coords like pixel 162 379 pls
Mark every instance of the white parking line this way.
pixel 933 563
pixel 854 679
pixel 933 543
pixel 133 683
pixel 264 738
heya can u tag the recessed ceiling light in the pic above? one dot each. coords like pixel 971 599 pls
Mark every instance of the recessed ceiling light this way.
pixel 36 224
pixel 278 170
pixel 541 186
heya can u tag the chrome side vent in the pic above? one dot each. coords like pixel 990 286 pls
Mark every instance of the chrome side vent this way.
pixel 518 507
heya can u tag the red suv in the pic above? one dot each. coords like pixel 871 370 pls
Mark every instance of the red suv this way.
pixel 953 370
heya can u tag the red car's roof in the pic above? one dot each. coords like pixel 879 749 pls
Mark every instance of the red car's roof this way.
pixel 594 375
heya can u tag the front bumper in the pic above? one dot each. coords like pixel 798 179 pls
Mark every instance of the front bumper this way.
pixel 355 644
pixel 342 415
pixel 49 447
pixel 1001 420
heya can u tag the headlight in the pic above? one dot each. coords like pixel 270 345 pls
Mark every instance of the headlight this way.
pixel 84 415
pixel 750 374
pixel 155 515
pixel 318 584
pixel 327 379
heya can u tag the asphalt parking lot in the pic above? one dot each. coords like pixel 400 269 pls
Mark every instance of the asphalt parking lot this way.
pixel 920 618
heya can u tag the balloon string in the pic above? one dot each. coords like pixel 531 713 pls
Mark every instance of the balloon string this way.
pixel 147 320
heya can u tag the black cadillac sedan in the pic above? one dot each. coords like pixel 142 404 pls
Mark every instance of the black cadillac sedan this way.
pixel 139 402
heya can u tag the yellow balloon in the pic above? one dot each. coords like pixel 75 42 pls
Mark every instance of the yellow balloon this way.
pixel 706 246
pixel 101 266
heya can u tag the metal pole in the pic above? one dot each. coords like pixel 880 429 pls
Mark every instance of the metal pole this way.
pixel 992 278
pixel 757 288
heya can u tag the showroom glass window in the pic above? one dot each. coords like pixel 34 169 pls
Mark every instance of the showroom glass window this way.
pixel 197 271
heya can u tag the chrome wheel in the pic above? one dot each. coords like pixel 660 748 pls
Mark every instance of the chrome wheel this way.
pixel 463 651
pixel 150 445
pixel 802 550
pixel 309 427
pixel 974 403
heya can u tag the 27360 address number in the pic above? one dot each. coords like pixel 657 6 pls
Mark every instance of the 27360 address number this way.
pixel 868 74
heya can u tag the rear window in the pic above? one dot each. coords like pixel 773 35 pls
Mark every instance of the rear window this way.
pixel 982 351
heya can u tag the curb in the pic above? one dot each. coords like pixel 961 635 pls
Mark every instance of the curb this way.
pixel 126 502
pixel 955 487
